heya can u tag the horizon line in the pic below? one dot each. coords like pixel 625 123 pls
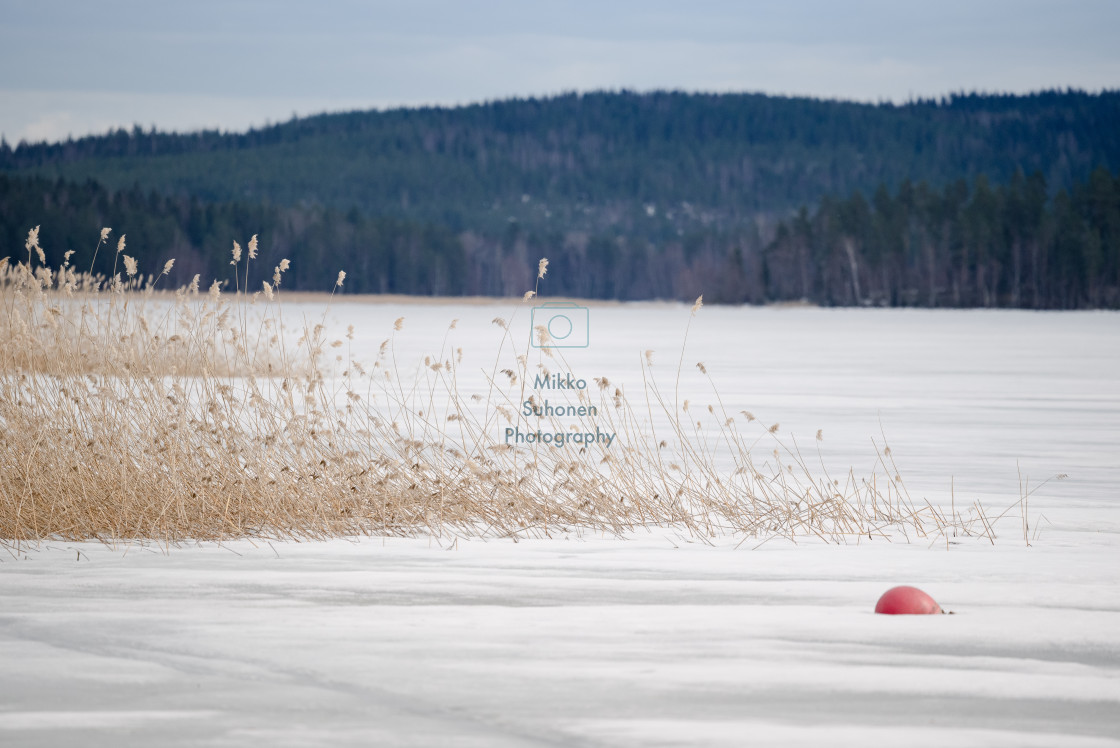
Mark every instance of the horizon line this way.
pixel 939 99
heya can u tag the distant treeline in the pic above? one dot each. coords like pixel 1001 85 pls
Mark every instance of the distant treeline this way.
pixel 382 255
pixel 966 244
pixel 650 166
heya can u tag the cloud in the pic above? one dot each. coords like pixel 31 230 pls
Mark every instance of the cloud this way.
pixel 78 67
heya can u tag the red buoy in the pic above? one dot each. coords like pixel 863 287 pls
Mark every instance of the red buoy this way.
pixel 906 601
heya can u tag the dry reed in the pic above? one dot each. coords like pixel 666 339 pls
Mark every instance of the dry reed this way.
pixel 130 412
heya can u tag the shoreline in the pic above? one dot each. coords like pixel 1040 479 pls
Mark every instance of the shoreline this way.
pixel 364 298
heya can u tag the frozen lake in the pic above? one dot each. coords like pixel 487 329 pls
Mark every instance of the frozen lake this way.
pixel 656 639
pixel 968 396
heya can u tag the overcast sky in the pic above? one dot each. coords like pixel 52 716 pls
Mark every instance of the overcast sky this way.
pixel 79 67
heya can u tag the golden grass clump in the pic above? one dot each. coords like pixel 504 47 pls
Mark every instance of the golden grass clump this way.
pixel 134 412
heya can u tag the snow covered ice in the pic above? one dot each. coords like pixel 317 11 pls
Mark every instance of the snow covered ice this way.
pixel 656 638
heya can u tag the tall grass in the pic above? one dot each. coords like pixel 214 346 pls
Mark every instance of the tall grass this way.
pixel 132 411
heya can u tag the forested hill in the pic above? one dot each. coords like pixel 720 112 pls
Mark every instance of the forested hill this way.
pixel 967 201
pixel 651 165
pixel 965 245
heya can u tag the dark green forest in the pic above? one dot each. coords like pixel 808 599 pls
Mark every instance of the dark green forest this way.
pixel 968 244
pixel 970 200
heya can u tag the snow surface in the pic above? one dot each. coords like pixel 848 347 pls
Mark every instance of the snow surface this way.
pixel 658 638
